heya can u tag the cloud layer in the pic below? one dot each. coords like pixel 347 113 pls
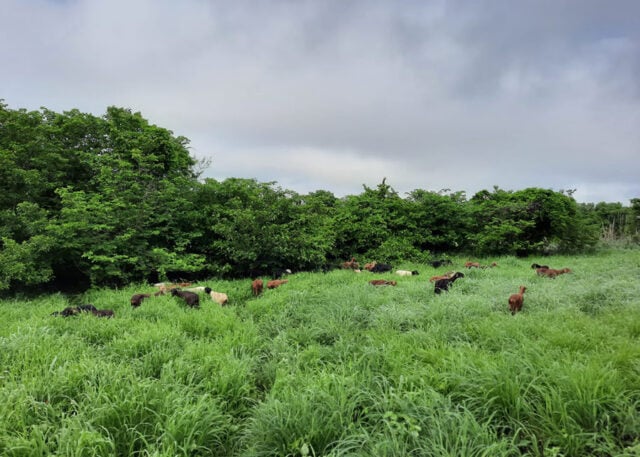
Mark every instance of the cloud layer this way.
pixel 332 95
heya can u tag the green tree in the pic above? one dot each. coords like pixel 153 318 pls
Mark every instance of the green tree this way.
pixel 440 219
pixel 528 221
pixel 104 186
pixel 635 216
pixel 614 219
pixel 313 230
pixel 251 228
pixel 363 222
pixel 378 224
pixel 133 224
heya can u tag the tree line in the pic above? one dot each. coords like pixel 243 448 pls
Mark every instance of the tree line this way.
pixel 108 200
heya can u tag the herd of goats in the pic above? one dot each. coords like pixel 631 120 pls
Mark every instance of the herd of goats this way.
pixel 443 282
pixel 190 295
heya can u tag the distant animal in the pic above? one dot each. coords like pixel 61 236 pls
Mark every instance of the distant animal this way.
pixel 440 263
pixel 87 307
pixel 136 299
pixel 351 264
pixel 166 287
pixel 382 282
pixel 447 275
pixel 443 284
pixel 492 265
pixel 552 273
pixel 68 311
pixel 535 266
pixel 472 265
pixel 257 286
pixel 103 313
pixel 191 298
pixel 515 300
pixel 278 273
pixel 276 283
pixel 407 273
pixel 381 268
pixel 368 266
pixel 218 297
pixel 195 289
pixel 74 310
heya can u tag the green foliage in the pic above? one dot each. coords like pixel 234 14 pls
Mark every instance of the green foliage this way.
pixel 361 224
pixel 396 250
pixel 613 220
pixel 251 227
pixel 528 221
pixel 96 189
pixel 25 262
pixel 110 200
pixel 366 222
pixel 440 222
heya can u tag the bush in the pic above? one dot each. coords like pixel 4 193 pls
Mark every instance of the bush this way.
pixel 396 250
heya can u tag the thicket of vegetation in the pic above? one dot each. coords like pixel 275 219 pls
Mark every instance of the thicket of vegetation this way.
pixel 329 365
pixel 94 201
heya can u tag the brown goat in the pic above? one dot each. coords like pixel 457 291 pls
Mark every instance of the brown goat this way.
pixel 472 264
pixel 276 283
pixel 447 275
pixel 136 299
pixel 167 287
pixel 369 266
pixel 256 286
pixel 515 301
pixel 551 273
pixel 351 264
pixel 543 271
pixel 382 282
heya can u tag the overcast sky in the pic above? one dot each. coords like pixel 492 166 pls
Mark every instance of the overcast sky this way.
pixel 462 94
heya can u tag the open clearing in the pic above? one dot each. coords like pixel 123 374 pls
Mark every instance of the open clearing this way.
pixel 329 365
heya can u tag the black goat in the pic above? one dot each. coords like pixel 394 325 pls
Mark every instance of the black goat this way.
pixel 381 268
pixel 74 310
pixel 87 308
pixel 440 263
pixel 191 298
pixel 535 266
pixel 103 313
pixel 443 284
pixel 278 273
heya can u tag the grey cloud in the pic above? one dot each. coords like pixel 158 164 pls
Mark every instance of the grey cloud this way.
pixel 454 94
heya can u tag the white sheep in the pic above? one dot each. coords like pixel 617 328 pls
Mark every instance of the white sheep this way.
pixel 406 273
pixel 218 297
pixel 196 289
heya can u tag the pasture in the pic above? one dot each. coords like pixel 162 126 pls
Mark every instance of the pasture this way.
pixel 330 365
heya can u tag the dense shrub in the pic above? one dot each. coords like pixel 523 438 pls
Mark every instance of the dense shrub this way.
pixel 87 200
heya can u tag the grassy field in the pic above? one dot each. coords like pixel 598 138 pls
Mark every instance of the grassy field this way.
pixel 329 365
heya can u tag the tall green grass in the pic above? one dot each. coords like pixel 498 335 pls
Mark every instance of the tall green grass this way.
pixel 329 365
